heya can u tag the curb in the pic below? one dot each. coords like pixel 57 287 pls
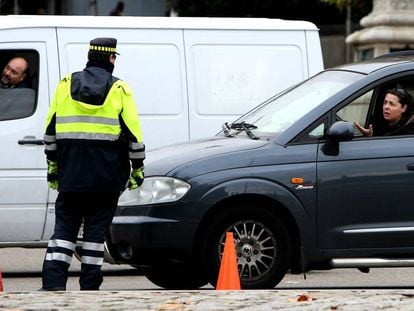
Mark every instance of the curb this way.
pixel 210 300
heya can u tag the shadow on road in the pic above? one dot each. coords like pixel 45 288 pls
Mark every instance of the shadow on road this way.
pixel 34 274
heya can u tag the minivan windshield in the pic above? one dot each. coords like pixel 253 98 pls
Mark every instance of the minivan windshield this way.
pixel 277 114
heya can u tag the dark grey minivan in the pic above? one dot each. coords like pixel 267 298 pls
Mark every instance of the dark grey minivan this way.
pixel 293 179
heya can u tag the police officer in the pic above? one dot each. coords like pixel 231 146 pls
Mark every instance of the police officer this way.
pixel 93 137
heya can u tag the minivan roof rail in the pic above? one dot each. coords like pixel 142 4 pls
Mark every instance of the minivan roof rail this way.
pixel 396 54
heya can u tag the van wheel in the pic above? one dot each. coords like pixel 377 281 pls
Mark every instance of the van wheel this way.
pixel 171 276
pixel 263 247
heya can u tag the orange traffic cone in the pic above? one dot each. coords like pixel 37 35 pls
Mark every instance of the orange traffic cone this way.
pixel 229 274
pixel 1 282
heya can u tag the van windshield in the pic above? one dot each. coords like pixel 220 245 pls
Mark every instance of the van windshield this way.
pixel 278 113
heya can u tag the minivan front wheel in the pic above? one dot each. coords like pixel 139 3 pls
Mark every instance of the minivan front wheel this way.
pixel 262 244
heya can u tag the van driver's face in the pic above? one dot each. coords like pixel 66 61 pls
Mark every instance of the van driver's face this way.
pixel 13 73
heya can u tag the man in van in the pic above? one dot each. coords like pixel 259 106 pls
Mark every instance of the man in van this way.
pixel 15 74
pixel 93 137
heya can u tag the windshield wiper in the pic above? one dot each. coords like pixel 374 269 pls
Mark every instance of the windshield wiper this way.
pixel 247 127
pixel 226 129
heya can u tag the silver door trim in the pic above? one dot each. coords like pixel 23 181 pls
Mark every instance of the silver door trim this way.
pixel 379 230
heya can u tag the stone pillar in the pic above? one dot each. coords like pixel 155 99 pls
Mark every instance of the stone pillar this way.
pixel 389 27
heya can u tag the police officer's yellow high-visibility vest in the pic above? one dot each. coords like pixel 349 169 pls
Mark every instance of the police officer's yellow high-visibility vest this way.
pixel 78 120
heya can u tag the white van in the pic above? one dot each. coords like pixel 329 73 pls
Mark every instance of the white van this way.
pixel 189 75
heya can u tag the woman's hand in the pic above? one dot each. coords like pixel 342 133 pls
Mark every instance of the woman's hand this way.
pixel 364 131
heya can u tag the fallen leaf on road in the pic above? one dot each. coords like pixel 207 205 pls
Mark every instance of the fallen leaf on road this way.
pixel 304 297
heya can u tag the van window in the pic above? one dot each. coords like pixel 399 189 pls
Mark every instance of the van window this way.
pixel 18 89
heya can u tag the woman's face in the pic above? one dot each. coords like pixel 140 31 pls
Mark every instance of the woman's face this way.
pixel 392 109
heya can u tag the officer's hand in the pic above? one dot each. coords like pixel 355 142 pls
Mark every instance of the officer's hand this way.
pixel 52 174
pixel 136 179
pixel 53 184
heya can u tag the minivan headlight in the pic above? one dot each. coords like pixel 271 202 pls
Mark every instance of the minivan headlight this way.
pixel 155 190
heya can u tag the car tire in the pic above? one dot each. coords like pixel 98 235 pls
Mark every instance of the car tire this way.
pixel 263 257
pixel 172 276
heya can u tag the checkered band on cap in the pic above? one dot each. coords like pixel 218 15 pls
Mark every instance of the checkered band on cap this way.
pixel 106 45
pixel 102 48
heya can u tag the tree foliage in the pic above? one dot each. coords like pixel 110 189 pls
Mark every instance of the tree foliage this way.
pixel 317 11
pixel 341 4
pixel 358 5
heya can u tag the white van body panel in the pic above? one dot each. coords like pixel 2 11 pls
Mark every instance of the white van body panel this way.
pixel 23 187
pixel 230 72
pixel 189 75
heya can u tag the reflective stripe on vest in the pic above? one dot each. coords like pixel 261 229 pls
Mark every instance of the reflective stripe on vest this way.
pixel 136 150
pixel 50 142
pixel 51 139
pixel 82 135
pixel 87 119
pixel 86 127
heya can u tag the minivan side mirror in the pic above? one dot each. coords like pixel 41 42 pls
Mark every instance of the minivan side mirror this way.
pixel 339 131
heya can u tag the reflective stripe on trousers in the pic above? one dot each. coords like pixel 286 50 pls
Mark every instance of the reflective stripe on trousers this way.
pixel 92 253
pixel 60 250
pixel 96 210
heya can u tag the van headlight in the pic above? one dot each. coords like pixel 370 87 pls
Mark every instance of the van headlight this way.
pixel 155 190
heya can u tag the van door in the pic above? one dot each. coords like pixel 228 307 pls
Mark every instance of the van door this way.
pixel 23 186
pixel 152 62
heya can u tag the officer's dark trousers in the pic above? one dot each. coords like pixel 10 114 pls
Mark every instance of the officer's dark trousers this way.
pixel 96 210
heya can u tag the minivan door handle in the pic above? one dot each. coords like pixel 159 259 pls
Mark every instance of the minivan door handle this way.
pixel 30 140
pixel 410 167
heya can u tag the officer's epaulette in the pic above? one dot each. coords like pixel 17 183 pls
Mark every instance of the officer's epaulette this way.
pixel 67 78
pixel 124 86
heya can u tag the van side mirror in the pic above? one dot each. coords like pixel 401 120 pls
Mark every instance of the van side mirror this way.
pixel 339 131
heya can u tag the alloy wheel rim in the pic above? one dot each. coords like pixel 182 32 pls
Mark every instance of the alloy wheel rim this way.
pixel 256 249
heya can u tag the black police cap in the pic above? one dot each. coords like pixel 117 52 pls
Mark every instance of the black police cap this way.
pixel 106 45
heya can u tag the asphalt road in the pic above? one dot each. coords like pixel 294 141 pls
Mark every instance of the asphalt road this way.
pixel 21 272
